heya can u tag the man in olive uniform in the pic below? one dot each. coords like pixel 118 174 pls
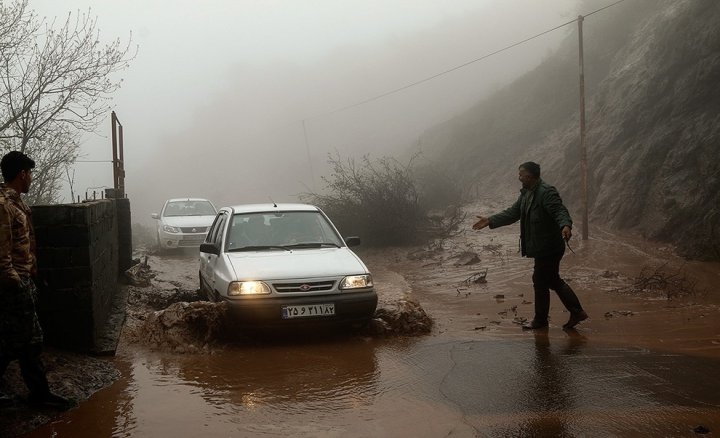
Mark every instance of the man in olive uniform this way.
pixel 20 334
pixel 545 227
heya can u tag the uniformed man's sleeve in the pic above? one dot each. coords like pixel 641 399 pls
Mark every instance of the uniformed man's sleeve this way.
pixel 8 276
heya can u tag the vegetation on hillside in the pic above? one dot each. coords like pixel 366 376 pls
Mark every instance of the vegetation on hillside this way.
pixel 386 202
pixel 652 105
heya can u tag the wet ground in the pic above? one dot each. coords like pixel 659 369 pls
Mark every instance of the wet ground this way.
pixel 642 365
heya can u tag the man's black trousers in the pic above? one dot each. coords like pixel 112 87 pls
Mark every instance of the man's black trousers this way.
pixel 546 276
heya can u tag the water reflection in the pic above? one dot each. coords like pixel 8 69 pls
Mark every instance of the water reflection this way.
pixel 280 373
pixel 246 389
pixel 553 392
pixel 240 391
pixel 108 413
pixel 555 385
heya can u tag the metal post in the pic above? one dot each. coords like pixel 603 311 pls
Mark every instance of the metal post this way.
pixel 113 120
pixel 121 171
pixel 118 157
pixel 583 146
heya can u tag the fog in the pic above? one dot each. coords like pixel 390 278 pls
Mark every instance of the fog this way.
pixel 242 101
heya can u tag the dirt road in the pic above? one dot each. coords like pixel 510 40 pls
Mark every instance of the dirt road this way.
pixel 642 365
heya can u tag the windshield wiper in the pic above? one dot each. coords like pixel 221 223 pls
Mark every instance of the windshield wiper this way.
pixel 257 248
pixel 312 245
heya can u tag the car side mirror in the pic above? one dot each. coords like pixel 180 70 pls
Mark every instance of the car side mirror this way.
pixel 352 241
pixel 155 216
pixel 209 248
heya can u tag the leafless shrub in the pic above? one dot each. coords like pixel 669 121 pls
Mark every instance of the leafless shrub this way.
pixel 496 250
pixel 445 224
pixel 664 280
pixel 379 201
pixel 477 278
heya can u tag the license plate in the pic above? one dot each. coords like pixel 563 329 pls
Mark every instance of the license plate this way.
pixel 309 310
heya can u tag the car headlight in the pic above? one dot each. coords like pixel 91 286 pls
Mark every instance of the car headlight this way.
pixel 237 288
pixel 169 229
pixel 356 281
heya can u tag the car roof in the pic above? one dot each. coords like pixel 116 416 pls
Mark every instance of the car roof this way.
pixel 187 199
pixel 264 208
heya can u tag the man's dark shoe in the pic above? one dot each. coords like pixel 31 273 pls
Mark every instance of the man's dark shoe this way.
pixel 575 318
pixel 534 325
pixel 52 401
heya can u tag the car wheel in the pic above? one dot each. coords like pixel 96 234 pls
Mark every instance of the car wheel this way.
pixel 206 293
pixel 160 249
pixel 201 290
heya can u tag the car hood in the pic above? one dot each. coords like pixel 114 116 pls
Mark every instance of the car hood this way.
pixel 295 264
pixel 188 221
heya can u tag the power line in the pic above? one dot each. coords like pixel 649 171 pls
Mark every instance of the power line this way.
pixel 429 78
pixel 603 8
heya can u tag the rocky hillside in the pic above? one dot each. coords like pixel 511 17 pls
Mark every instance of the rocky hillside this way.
pixel 652 71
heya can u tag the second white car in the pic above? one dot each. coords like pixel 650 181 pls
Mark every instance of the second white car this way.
pixel 184 222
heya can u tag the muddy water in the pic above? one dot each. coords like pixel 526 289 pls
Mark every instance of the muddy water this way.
pixel 641 366
pixel 536 386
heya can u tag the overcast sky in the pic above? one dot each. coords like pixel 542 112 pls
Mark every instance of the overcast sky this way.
pixel 214 102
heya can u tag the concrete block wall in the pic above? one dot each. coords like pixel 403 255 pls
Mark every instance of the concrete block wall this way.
pixel 124 221
pixel 79 267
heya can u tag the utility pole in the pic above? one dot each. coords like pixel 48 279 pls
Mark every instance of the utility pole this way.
pixel 583 146
pixel 307 149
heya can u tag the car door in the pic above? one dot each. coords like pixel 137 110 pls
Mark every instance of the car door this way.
pixel 209 261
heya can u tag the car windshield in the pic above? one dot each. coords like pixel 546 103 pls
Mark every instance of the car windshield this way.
pixel 189 208
pixel 286 230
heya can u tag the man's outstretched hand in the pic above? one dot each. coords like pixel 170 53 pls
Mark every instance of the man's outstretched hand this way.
pixel 482 223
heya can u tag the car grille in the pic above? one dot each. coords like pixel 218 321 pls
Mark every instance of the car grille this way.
pixel 193 229
pixel 304 287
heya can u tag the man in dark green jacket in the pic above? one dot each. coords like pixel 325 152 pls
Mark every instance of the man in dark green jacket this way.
pixel 545 227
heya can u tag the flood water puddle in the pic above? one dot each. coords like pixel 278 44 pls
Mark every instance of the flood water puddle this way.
pixel 544 384
pixel 640 366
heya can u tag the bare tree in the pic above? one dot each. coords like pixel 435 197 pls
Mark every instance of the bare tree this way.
pixel 55 83
pixel 378 199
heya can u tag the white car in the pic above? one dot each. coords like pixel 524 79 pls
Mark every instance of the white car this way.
pixel 285 265
pixel 184 222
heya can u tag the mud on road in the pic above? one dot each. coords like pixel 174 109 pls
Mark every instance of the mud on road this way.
pixel 165 313
pixel 637 293
pixel 477 290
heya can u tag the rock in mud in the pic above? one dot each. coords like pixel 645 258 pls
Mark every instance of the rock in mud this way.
pixel 424 254
pixel 139 275
pixel 614 313
pixel 406 318
pixel 186 327
pixel 467 258
pixel 702 430
pixel 162 299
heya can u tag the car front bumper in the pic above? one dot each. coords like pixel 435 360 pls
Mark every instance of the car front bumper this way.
pixel 350 308
pixel 181 240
